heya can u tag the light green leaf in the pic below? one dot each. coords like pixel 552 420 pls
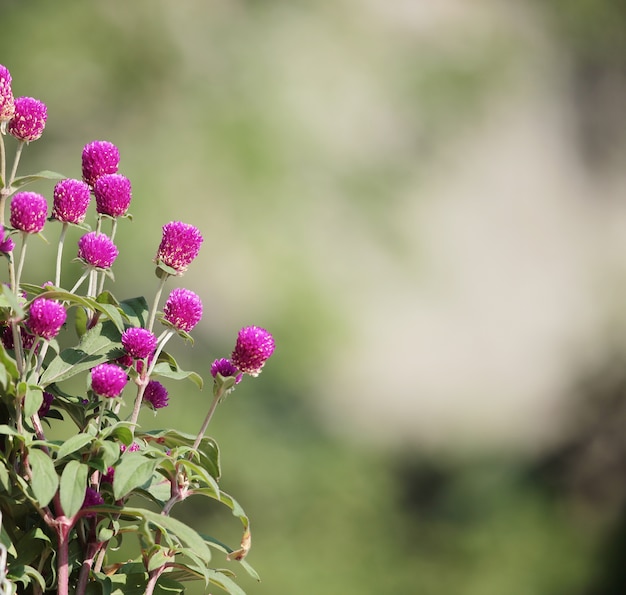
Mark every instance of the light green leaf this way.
pixel 73 444
pixel 73 487
pixel 134 471
pixel 45 480
pixel 40 175
pixel 169 370
pixel 32 400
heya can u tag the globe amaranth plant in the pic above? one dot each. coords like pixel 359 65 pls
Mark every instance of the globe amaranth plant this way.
pixel 67 504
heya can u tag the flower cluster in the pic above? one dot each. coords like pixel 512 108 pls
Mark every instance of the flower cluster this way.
pixel 49 335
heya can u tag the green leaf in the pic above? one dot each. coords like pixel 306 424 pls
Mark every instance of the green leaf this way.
pixel 134 471
pixel 136 309
pixel 44 480
pixel 41 175
pixel 8 368
pixel 32 400
pixel 73 487
pixel 169 370
pixel 225 582
pixel 73 444
pixel 98 345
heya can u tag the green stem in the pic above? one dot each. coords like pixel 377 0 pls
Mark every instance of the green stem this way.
pixel 18 154
pixel 207 420
pixel 20 264
pixel 4 190
pixel 80 281
pixel 155 303
pixel 57 277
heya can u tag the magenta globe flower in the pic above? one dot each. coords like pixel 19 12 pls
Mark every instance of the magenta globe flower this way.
pixel 70 201
pixel 97 250
pixel 113 194
pixel 6 243
pixel 7 102
pixel 29 119
pixel 253 348
pixel 155 395
pixel 99 157
pixel 28 212
pixel 225 368
pixel 180 244
pixel 45 318
pixel 139 342
pixel 183 309
pixel 108 380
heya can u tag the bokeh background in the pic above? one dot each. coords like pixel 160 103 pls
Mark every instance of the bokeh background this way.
pixel 425 202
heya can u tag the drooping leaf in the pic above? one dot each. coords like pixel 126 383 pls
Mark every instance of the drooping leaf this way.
pixel 44 480
pixel 73 487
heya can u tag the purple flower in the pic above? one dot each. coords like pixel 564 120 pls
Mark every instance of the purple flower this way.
pixel 6 243
pixel 180 244
pixel 183 309
pixel 139 342
pixel 6 336
pixel 45 318
pixel 45 406
pixel 99 157
pixel 92 498
pixel 155 395
pixel 109 475
pixel 113 193
pixel 7 102
pixel 226 368
pixel 97 250
pixel 108 380
pixel 71 200
pixel 253 348
pixel 134 447
pixel 28 212
pixel 29 119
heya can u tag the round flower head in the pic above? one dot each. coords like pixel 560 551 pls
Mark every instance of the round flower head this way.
pixel 183 309
pixel 226 368
pixel 108 380
pixel 71 200
pixel 253 348
pixel 155 395
pixel 7 103
pixel 45 405
pixel 29 119
pixel 139 342
pixel 28 212
pixel 179 245
pixel 92 498
pixel 6 337
pixel 99 157
pixel 45 318
pixel 97 250
pixel 113 193
pixel 6 243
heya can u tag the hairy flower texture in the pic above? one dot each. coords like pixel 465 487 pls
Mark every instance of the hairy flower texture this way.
pixel 28 212
pixel 108 380
pixel 29 120
pixel 99 157
pixel 45 406
pixel 97 250
pixel 71 200
pixel 6 336
pixel 113 194
pixel 183 309
pixel 134 447
pixel 226 368
pixel 180 244
pixel 253 348
pixel 45 318
pixel 155 395
pixel 6 243
pixel 139 342
pixel 7 102
pixel 92 498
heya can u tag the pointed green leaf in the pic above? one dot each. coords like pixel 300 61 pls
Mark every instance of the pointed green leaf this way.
pixel 133 471
pixel 32 400
pixel 137 310
pixel 73 487
pixel 73 444
pixel 44 480
pixel 40 175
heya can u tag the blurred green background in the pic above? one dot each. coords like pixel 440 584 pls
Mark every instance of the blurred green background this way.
pixel 424 202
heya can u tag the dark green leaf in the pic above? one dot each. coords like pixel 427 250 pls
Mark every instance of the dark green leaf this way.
pixel 44 480
pixel 137 310
pixel 73 487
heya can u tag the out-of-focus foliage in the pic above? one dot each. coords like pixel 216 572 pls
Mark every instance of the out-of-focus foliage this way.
pixel 222 111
